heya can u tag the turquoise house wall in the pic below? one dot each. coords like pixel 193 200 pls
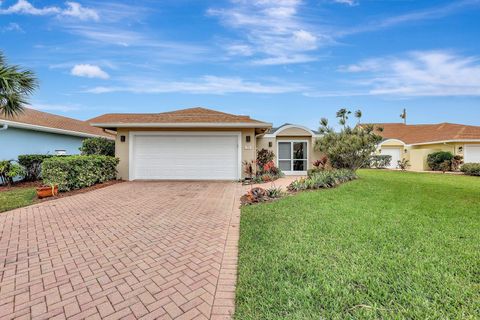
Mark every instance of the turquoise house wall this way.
pixel 15 141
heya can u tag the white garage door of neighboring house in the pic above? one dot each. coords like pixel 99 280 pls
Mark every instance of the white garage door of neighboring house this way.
pixel 471 153
pixel 185 156
pixel 396 156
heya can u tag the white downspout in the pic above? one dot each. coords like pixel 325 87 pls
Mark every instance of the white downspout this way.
pixel 4 127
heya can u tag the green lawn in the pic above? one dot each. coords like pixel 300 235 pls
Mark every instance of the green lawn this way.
pixel 16 198
pixel 391 245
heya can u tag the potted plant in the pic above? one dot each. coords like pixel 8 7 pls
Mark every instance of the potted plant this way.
pixel 47 191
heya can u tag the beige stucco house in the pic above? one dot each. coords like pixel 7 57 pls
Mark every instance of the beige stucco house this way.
pixel 202 144
pixel 416 142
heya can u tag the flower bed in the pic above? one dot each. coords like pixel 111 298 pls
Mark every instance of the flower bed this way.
pixel 317 180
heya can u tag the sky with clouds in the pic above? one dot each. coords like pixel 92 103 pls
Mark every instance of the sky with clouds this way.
pixel 276 60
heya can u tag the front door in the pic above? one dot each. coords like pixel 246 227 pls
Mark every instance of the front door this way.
pixel 293 157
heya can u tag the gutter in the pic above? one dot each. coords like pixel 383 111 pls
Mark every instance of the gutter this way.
pixel 184 125
pixel 20 125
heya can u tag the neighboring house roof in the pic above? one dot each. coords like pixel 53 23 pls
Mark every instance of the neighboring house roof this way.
pixel 32 119
pixel 273 131
pixel 193 117
pixel 429 133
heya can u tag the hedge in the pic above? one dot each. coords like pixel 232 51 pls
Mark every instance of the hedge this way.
pixel 471 169
pixel 76 172
pixel 32 163
pixel 98 146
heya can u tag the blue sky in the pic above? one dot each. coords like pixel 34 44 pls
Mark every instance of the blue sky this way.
pixel 276 60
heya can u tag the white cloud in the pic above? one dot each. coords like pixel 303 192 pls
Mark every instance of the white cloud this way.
pixel 12 27
pixel 73 9
pixel 206 85
pixel 76 10
pixel 421 73
pixel 273 31
pixel 89 71
pixel 25 7
pixel 347 2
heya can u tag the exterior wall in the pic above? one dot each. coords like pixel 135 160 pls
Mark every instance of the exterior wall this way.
pixel 419 153
pixel 122 148
pixel 293 132
pixel 263 143
pixel 15 141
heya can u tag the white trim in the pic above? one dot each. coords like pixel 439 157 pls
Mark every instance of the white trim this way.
pixel 288 126
pixel 185 125
pixel 390 140
pixel 293 173
pixel 445 141
pixel 51 130
pixel 131 135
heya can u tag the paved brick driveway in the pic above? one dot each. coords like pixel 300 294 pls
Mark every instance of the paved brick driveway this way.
pixel 133 250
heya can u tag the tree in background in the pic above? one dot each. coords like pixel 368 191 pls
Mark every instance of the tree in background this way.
pixel 16 84
pixel 349 148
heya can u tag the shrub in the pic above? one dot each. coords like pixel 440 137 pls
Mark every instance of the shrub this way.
pixel 275 192
pixel 9 170
pixel 403 164
pixel 255 195
pixel 471 169
pixel 323 179
pixel 98 146
pixel 436 161
pixel 350 148
pixel 321 164
pixel 264 157
pixel 380 161
pixel 32 163
pixel 76 172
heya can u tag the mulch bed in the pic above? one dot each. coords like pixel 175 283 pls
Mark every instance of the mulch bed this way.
pixel 35 184
pixel 23 184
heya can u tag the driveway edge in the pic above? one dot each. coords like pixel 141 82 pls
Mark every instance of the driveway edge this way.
pixel 224 300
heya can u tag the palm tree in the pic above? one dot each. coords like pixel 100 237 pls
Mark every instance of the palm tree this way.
pixel 16 84
pixel 342 114
pixel 358 115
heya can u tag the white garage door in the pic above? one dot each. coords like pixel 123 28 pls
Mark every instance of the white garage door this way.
pixel 395 153
pixel 196 157
pixel 472 153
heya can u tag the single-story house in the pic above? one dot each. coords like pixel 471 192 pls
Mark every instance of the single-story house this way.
pixel 36 132
pixel 199 143
pixel 416 142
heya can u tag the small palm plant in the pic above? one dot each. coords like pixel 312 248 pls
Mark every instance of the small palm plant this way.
pixel 16 84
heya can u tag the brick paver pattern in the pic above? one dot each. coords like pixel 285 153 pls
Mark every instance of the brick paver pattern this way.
pixel 135 250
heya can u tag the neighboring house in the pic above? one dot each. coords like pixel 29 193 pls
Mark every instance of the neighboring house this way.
pixel 416 142
pixel 199 143
pixel 36 132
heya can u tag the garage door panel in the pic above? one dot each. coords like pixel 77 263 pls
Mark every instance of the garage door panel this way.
pixel 472 154
pixel 185 157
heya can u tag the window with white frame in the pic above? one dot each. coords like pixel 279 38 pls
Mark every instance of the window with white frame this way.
pixel 292 156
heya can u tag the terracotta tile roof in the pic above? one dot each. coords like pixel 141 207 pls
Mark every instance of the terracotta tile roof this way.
pixel 425 133
pixel 185 116
pixel 52 121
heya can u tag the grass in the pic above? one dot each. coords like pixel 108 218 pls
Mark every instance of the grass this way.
pixel 391 245
pixel 16 198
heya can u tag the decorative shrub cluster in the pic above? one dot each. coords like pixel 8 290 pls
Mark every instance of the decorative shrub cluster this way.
pixel 76 172
pixel 257 195
pixel 444 161
pixel 32 163
pixel 471 169
pixel 9 170
pixel 266 169
pixel 380 161
pixel 324 179
pixel 98 146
